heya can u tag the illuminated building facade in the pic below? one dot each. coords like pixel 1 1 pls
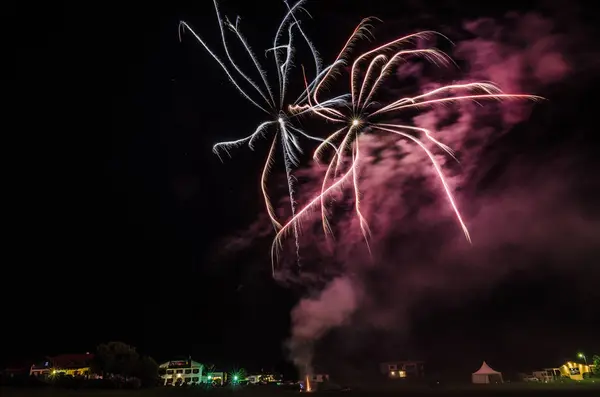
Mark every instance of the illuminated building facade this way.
pixel 253 379
pixel 180 372
pixel 575 371
pixel 403 369
pixel 261 378
pixel 65 364
pixel 548 374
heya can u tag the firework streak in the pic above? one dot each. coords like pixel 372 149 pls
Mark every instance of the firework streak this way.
pixel 284 133
pixel 362 114
pixel 356 112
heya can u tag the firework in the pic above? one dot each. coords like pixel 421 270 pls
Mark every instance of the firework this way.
pixel 363 114
pixel 284 134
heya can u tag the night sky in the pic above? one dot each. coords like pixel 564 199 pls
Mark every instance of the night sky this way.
pixel 120 217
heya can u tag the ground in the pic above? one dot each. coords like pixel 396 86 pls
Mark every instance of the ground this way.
pixel 520 389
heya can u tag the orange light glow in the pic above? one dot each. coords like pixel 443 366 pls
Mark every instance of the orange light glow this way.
pixel 308 387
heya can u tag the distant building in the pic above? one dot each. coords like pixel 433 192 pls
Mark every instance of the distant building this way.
pixel 403 369
pixel 547 374
pixel 64 364
pixel 571 370
pixel 575 371
pixel 179 372
pixel 319 378
pixel 261 378
pixel 253 379
pixel 42 369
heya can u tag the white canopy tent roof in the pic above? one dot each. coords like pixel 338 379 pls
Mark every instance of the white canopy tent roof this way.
pixel 486 374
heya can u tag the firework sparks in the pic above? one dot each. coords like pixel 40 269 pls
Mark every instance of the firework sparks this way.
pixel 357 117
pixel 272 102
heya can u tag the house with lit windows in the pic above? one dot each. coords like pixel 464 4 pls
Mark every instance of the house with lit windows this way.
pixel 576 371
pixel 180 372
pixel 403 369
pixel 64 364
pixel 261 378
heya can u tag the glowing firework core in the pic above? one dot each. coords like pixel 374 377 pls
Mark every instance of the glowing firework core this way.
pixel 355 122
pixel 280 120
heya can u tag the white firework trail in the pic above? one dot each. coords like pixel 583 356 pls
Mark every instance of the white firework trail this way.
pixel 272 102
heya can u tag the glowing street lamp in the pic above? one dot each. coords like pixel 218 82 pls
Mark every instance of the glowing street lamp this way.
pixel 581 355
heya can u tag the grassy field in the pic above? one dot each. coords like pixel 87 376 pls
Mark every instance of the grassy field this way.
pixel 520 389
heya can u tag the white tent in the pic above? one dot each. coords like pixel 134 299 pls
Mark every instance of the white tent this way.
pixel 485 374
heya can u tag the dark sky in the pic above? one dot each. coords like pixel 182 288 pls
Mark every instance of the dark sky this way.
pixel 117 207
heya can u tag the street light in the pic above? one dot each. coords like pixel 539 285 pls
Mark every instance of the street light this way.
pixel 581 355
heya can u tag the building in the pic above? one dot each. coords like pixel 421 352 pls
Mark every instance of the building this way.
pixel 179 372
pixel 261 378
pixel 403 369
pixel 571 370
pixel 575 371
pixel 253 379
pixel 41 370
pixel 318 378
pixel 547 374
pixel 64 364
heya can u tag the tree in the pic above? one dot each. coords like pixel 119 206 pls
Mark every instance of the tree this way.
pixel 147 371
pixel 209 369
pixel 118 358
pixel 596 360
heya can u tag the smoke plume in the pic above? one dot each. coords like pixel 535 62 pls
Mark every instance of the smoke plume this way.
pixel 315 315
